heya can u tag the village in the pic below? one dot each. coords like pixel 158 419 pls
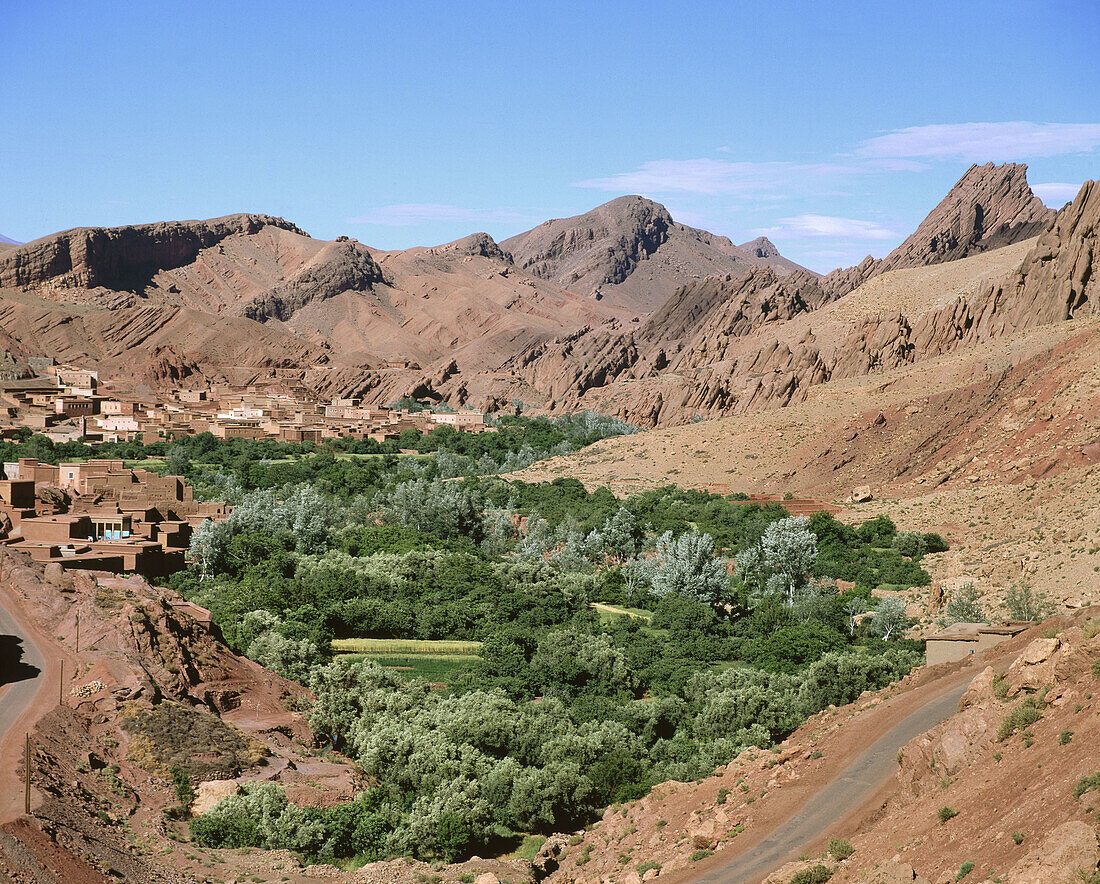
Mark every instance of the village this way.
pixel 101 514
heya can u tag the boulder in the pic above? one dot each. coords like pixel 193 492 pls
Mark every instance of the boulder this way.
pixel 980 688
pixel 1069 850
pixel 1034 667
pixel 210 793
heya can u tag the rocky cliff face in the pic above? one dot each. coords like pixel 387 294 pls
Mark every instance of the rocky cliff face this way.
pixel 122 258
pixel 339 267
pixel 633 253
pixel 990 207
pixel 758 299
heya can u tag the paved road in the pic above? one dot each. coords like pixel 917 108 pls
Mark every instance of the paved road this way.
pixel 22 673
pixel 859 782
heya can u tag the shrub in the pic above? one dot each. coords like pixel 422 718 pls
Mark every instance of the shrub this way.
pixel 964 607
pixel 1024 603
pixel 933 543
pixel 723 794
pixel 170 735
pixel 185 792
pixel 840 848
pixel 1000 686
pixel 819 874
pixel 700 854
pixel 1018 837
pixel 1020 718
pixel 1087 784
pixel 225 830
pixel 1096 668
pixel 642 868
pixel 964 870
pixel 1064 737
pixel 946 813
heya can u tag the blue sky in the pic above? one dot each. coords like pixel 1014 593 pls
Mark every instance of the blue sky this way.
pixel 831 127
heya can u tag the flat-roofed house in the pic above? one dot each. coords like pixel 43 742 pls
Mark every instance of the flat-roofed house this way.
pixel 960 640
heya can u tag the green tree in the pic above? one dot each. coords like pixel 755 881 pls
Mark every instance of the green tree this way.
pixel 790 548
pixel 889 620
pixel 689 566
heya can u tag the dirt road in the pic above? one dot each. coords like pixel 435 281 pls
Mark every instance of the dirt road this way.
pixel 24 679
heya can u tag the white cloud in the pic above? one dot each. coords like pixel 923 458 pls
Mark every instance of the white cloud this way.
pixel 828 226
pixel 712 177
pixel 409 214
pixel 984 142
pixel 1055 193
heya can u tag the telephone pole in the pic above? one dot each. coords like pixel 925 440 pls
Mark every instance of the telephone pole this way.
pixel 27 776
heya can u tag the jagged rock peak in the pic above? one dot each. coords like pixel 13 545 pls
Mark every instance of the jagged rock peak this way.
pixel 123 258
pixel 761 247
pixel 600 247
pixel 991 206
pixel 479 244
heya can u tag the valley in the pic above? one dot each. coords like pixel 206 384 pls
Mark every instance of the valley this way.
pixel 609 553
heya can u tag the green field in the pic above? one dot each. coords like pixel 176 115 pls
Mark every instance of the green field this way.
pixel 610 612
pixel 401 647
pixel 436 669
pixel 434 661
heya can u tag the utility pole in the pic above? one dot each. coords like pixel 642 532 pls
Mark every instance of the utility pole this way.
pixel 27 776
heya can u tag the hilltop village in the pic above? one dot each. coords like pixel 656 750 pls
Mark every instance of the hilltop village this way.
pixel 105 516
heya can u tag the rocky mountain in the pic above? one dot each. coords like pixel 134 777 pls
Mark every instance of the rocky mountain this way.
pixel 761 341
pixel 123 258
pixel 246 297
pixel 990 207
pixel 631 252
pixel 621 309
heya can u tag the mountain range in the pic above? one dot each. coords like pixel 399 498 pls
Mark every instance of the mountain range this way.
pixel 621 309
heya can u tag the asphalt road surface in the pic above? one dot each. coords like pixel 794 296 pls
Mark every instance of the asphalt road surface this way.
pixel 859 781
pixel 22 673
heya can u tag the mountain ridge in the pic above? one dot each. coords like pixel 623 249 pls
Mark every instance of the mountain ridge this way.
pixel 556 317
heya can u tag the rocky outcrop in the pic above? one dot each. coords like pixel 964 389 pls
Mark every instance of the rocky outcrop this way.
pixel 600 247
pixel 567 367
pixel 338 267
pixel 761 247
pixel 742 306
pixel 843 280
pixel 990 207
pixel 1058 278
pixel 122 258
pixel 1067 855
pixel 478 244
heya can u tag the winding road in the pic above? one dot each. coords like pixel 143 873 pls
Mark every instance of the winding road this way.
pixel 23 675
pixel 856 786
